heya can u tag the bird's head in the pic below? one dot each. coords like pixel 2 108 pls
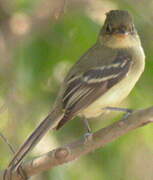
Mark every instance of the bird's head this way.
pixel 119 30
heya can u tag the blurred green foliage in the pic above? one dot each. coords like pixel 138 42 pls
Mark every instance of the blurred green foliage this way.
pixel 36 51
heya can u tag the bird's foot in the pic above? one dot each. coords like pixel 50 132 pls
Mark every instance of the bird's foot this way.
pixel 88 137
pixel 125 110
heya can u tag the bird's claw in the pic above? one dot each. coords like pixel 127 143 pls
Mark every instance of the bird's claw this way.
pixel 88 137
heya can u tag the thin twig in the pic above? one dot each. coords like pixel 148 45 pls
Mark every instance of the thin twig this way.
pixel 7 142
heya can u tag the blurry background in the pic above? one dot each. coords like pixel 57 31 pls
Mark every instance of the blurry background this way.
pixel 39 41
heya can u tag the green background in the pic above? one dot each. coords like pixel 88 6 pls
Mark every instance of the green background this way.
pixel 39 42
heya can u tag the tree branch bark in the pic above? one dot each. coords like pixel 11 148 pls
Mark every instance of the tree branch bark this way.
pixel 81 147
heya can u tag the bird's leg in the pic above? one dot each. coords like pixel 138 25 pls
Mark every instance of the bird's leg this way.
pixel 87 126
pixel 127 111
pixel 88 135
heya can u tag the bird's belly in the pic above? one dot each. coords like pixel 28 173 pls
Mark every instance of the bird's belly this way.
pixel 113 96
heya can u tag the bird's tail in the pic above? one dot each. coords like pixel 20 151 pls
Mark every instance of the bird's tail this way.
pixel 50 122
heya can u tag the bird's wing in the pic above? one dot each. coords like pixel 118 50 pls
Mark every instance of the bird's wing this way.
pixel 83 90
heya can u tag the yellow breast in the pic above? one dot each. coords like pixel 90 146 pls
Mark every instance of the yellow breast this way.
pixel 119 91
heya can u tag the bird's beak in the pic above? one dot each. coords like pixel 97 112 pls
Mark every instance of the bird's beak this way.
pixel 125 33
pixel 122 33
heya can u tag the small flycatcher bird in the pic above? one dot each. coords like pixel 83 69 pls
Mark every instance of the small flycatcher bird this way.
pixel 102 78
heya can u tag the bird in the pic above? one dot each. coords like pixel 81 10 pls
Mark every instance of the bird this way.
pixel 102 78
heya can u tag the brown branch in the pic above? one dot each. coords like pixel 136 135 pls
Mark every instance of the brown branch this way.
pixel 80 147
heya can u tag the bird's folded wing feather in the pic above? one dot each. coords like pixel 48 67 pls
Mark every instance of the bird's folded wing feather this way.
pixel 84 89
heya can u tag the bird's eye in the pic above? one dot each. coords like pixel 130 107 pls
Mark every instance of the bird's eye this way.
pixel 109 28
